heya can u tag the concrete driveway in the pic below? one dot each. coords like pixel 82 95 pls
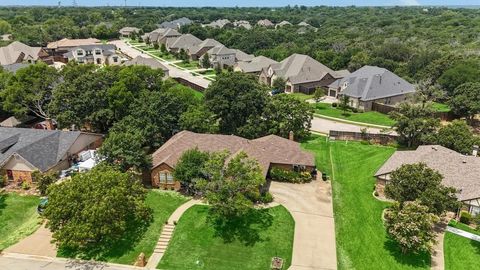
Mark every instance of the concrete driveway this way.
pixel 37 244
pixel 311 207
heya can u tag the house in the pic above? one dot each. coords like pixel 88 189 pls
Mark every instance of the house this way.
pixel 242 23
pixel 185 42
pixel 149 62
pixel 99 54
pixel 17 52
pixel 160 35
pixel 371 84
pixel 265 23
pixel 301 72
pixel 58 48
pixel 12 121
pixel 200 49
pixel 242 57
pixel 221 56
pixel 176 24
pixel 6 37
pixel 270 151
pixel 459 171
pixel 127 31
pixel 23 151
pixel 254 66
pixel 282 24
pixel 218 23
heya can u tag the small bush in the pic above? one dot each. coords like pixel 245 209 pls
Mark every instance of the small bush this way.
pixel 266 198
pixel 465 217
pixel 334 105
pixel 25 185
pixel 354 110
pixel 282 175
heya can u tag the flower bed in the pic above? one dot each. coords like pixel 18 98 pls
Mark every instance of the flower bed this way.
pixel 282 175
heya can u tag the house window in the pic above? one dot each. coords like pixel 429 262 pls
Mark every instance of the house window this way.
pixel 115 59
pixel 88 52
pixel 10 175
pixel 162 177
pixel 79 52
pixel 98 52
pixel 169 178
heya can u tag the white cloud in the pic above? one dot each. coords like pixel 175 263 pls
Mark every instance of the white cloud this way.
pixel 410 2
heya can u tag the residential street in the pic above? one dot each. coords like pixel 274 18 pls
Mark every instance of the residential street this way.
pixel 323 125
pixel 312 209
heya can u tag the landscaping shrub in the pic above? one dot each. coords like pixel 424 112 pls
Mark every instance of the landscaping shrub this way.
pixel 353 109
pixel 334 105
pixel 282 175
pixel 25 185
pixel 465 217
pixel 266 198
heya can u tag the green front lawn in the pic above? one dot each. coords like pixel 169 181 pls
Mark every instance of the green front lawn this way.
pixel 460 252
pixel 188 65
pixel 250 245
pixel 18 218
pixel 301 96
pixel 163 204
pixel 441 107
pixel 362 242
pixel 370 117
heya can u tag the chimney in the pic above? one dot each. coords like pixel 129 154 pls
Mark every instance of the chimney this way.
pixel 290 136
pixel 49 124
pixel 475 150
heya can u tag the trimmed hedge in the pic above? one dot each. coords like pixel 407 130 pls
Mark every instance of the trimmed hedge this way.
pixel 465 217
pixel 282 175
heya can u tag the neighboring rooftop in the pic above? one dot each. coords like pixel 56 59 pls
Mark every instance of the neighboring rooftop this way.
pixel 150 62
pixel 240 56
pixel 176 24
pixel 185 42
pixel 459 171
pixel 255 65
pixel 68 43
pixel 220 50
pixel 370 83
pixel 265 22
pixel 207 43
pixel 218 23
pixel 242 23
pixel 266 150
pixel 17 52
pixel 128 30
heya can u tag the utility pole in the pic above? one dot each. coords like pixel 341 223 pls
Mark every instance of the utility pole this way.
pixel 74 3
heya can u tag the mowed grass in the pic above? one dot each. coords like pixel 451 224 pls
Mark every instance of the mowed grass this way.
pixel 301 96
pixel 18 218
pixel 163 204
pixel 196 245
pixel 441 107
pixel 460 252
pixel 362 242
pixel 370 117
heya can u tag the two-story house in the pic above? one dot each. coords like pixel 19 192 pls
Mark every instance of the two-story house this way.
pixel 99 54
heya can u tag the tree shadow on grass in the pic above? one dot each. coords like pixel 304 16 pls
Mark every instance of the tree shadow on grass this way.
pixel 101 252
pixel 3 198
pixel 419 260
pixel 246 229
pixel 476 246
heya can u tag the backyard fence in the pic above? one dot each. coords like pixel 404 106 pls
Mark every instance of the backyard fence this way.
pixel 379 138
pixel 190 84
pixel 385 109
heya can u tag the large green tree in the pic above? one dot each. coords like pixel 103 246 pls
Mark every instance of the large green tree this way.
pixel 457 136
pixel 190 168
pixel 413 182
pixel 411 226
pixel 465 101
pixel 199 119
pixel 462 72
pixel 96 209
pixel 414 123
pixel 234 98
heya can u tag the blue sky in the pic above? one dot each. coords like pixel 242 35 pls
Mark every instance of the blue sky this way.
pixel 243 2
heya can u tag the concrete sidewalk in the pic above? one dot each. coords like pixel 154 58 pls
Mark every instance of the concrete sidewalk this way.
pixel 311 206
pixel 38 243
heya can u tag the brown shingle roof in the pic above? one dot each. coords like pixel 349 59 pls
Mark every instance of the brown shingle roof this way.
pixel 458 171
pixel 67 43
pixel 266 150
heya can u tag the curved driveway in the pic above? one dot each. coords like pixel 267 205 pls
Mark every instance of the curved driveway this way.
pixel 311 207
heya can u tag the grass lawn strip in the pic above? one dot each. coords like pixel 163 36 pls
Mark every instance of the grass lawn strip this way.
pixel 460 252
pixel 195 244
pixel 441 107
pixel 301 96
pixel 163 204
pixel 18 218
pixel 362 242
pixel 371 117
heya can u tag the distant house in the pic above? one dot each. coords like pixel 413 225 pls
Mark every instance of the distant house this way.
pixel 184 42
pixel 149 62
pixel 265 23
pixel 218 23
pixel 459 171
pixel 282 23
pixel 99 54
pixel 127 31
pixel 372 84
pixel 58 48
pixel 254 66
pixel 242 23
pixel 221 56
pixel 160 35
pixel 17 52
pixel 23 151
pixel 6 37
pixel 176 24
pixel 200 49
pixel 240 56
pixel 301 72
pixel 270 151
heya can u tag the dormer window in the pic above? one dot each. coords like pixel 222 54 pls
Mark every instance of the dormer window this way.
pixel 98 52
pixel 80 52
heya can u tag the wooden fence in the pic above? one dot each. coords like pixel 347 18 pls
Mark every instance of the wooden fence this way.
pixel 386 109
pixel 359 136
pixel 190 84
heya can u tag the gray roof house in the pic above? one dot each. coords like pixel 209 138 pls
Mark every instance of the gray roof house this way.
pixel 240 56
pixel 222 56
pixel 218 23
pixel 127 31
pixel 100 54
pixel 17 52
pixel 242 23
pixel 282 23
pixel 184 42
pixel 265 23
pixel 24 150
pixel 301 73
pixel 198 50
pixel 176 24
pixel 373 84
pixel 459 171
pixel 161 35
pixel 149 62
pixel 254 66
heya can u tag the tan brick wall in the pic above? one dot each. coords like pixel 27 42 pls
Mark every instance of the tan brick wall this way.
pixel 380 187
pixel 18 176
pixel 156 181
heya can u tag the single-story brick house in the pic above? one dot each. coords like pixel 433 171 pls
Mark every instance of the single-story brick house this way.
pixel 270 151
pixel 24 150
pixel 459 171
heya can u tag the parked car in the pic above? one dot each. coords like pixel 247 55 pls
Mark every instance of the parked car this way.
pixel 276 92
pixel 42 205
